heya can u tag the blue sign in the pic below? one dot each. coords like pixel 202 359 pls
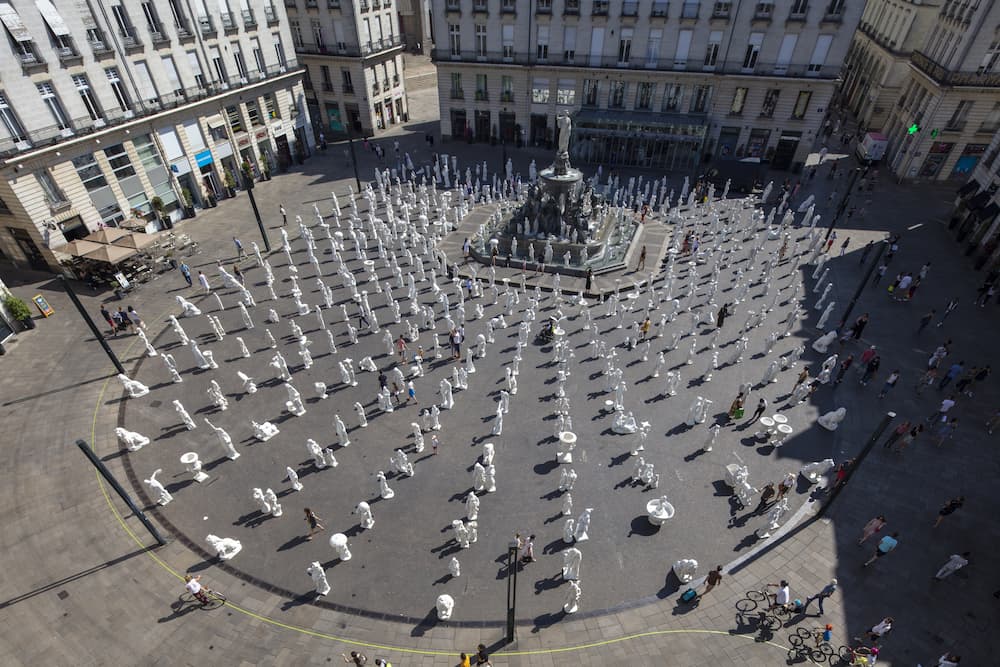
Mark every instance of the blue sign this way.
pixel 203 158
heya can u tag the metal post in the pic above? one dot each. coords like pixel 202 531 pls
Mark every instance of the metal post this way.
pixel 106 474
pixel 872 439
pixel 90 323
pixel 861 285
pixel 260 223
pixel 511 588
pixel 354 157
pixel 843 202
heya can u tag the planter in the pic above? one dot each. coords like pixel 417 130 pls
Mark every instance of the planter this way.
pixel 230 192
pixel 189 212
pixel 27 323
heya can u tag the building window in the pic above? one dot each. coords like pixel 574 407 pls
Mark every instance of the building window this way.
pixel 324 71
pixel 195 65
pixel 566 92
pixel 271 106
pixel 11 121
pixel 763 10
pixel 481 87
pixel 89 172
pixel 712 52
pixel 721 9
pixel 700 98
pixel 235 119
pixel 508 41
pixel 296 33
pixel 590 92
pixel 957 121
pixel 992 121
pixel 644 97
pixel 569 43
pixel 739 100
pixel 753 51
pixel 119 161
pixel 689 10
pixel 653 43
pixel 4 209
pixel 253 113
pixel 121 94
pixel 53 195
pixel 481 40
pixel 770 101
pixel 801 104
pixel 455 39
pixel 506 89
pixel 346 82
pixel 616 99
pixel 83 87
pixel 625 46
pixel 52 102
pixel 990 59
pixel 542 43
pixel 241 63
pixel 540 91
pixel 820 52
pixel 835 8
pixel 672 97
pixel 317 29
pixel 456 86
pixel 799 8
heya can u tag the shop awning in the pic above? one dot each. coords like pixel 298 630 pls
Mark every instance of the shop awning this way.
pixel 968 188
pixel 79 248
pixel 215 122
pixel 111 254
pixel 52 17
pixel 107 235
pixel 136 240
pixel 12 20
pixel 989 212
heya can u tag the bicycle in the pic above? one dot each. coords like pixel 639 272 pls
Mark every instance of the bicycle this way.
pixel 853 656
pixel 754 598
pixel 801 650
pixel 215 598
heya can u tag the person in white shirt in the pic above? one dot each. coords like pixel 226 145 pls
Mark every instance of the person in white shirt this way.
pixel 955 563
pixel 195 588
pixel 783 596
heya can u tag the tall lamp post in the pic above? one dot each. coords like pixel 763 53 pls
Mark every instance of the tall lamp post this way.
pixel 354 157
pixel 843 201
pixel 256 212
pixel 512 548
pixel 90 323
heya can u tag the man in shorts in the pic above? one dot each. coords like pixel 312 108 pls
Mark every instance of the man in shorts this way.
pixel 195 588
pixel 885 545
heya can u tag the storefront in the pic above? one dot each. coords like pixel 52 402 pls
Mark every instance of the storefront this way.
pixel 660 141
pixel 729 140
pixel 969 158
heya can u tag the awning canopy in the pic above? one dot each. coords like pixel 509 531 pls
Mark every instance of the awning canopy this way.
pixel 52 17
pixel 111 254
pixel 107 235
pixel 12 20
pixel 136 240
pixel 79 248
pixel 215 121
pixel 968 188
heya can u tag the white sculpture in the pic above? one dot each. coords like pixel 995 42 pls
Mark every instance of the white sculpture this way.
pixel 224 547
pixel 713 433
pixel 318 575
pixel 491 479
pixel 133 441
pixel 265 431
pixel 659 511
pixel 342 437
pixel 774 519
pixel 216 395
pixel 134 388
pixel 272 499
pixel 461 533
pixel 339 543
pixel 686 569
pixel 190 310
pixel 445 606
pixel 567 504
pixel 162 495
pixel 293 477
pixel 822 344
pixel 567 479
pixel 454 567
pixel 572 598
pixel 193 465
pixel 583 525
pixel 831 420
pixel 185 417
pixel 813 472
pixel 383 487
pixel 571 564
pixel 472 507
pixel 624 423
pixel 364 512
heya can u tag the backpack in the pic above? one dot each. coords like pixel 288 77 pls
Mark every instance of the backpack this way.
pixel 689 595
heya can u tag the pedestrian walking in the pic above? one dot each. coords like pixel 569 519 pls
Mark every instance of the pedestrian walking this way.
pixel 644 329
pixel 949 660
pixel 133 317
pixel 785 485
pixel 923 270
pixel 357 658
pixel 434 444
pixel 928 378
pixel 986 293
pixel 926 318
pixel 885 546
pixel 107 318
pixel 879 272
pixel 761 408
pixel 831 241
pixel 766 494
pixel 528 551
pixel 482 656
pixel 712 579
pixel 186 272
pixel 955 563
pixel 239 274
pixel 880 629
pixel 847 242
pixel 859 326
pixel 941 414
pixel 203 281
pixel 865 358
pixel 803 376
pixel 411 392
pixel 240 252
pixel 872 527
pixel 865 252
pixel 721 316
pixel 871 369
pixel 590 279
pixel 642 259
pixel 952 305
pixel 284 214
pixel 890 382
pixel 823 634
pixel 953 372
pixel 313 521
pixel 401 347
pixel 124 321
pixel 949 508
pixel 908 438
pixel 897 433
pixel 827 591
pixel 844 365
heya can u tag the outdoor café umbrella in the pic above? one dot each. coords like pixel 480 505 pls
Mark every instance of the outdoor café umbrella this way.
pixel 136 240
pixel 80 247
pixel 111 254
pixel 106 235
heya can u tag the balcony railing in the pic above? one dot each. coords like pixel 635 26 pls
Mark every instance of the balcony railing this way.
pixel 507 96
pixel 206 25
pixel 658 10
pixel 67 54
pixel 376 89
pixel 158 36
pixel 948 78
pixel 348 89
pixel 571 7
pixel 183 29
pixel 47 136
pixel 638 63
pixel 270 14
pixel 599 8
pixel 327 50
pixel 457 94
pixel 380 45
pixel 30 62
pixel 630 8
pixel 130 38
pixel 228 22
pixel 99 48
pixel 249 20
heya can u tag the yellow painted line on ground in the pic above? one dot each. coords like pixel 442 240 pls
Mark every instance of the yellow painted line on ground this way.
pixel 371 645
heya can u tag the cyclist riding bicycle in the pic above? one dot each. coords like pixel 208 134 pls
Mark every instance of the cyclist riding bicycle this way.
pixel 196 589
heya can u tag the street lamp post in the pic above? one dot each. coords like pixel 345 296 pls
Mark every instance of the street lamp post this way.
pixel 843 201
pixel 106 474
pixel 90 323
pixel 872 439
pixel 861 285
pixel 248 178
pixel 512 548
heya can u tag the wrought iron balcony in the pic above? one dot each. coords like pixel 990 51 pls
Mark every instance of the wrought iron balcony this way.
pixel 945 77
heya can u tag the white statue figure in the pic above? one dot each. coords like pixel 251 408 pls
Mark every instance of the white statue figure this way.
pixel 831 420
pixel 821 323
pixel 319 459
pixel 713 433
pixel 445 605
pixel 338 541
pixel 454 567
pixel 488 453
pixel 134 388
pixel 244 352
pixel 624 423
pixel 364 512
pixel 491 478
pixel 193 465
pixel 384 491
pixel 571 564
pixel 472 507
pixel 318 575
pixel 671 383
pixel 150 350
pixel 573 593
pixel 497 423
pixel 342 438
pixel 272 499
pixel 461 533
pixel 162 495
pixel 320 389
pixel 215 394
pixel 224 547
pixel 133 441
pixel 565 125
pixel 168 361
pixel 447 399
pixel 190 310
pixel 694 411
pixel 567 504
pixel 294 403
pixel 360 410
pixel 185 417
pixel 771 373
pixel 262 502
pixel 293 477
pixel 822 344
pixel 567 479
pixel 568 527
pixel 815 471
pixel 583 525
pixel 774 519
pixel 686 569
pixel 478 477
pixel 179 330
pixel 265 431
